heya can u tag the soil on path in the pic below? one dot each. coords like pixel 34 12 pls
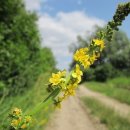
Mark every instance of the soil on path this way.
pixel 73 116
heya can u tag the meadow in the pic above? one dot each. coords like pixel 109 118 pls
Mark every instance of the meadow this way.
pixel 107 116
pixel 118 88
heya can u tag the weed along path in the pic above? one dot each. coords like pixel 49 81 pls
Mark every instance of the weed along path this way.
pixel 121 108
pixel 72 116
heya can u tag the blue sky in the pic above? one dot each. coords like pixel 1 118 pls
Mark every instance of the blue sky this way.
pixel 60 21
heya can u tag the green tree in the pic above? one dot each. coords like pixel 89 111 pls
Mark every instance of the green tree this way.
pixel 21 54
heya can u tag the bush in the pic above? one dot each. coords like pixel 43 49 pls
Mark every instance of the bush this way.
pixel 103 72
pixel 22 58
pixel 88 75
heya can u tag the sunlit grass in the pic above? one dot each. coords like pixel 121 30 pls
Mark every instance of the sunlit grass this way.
pixel 106 115
pixel 117 88
pixel 27 102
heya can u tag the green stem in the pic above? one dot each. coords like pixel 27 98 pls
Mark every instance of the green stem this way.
pixel 41 105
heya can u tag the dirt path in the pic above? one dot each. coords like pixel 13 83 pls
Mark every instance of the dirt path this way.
pixel 122 108
pixel 72 116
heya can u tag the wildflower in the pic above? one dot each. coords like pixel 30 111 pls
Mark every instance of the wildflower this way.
pixel 15 123
pixel 18 120
pixel 80 54
pixel 77 73
pixel 71 91
pixel 100 43
pixel 16 112
pixel 57 78
pixel 86 63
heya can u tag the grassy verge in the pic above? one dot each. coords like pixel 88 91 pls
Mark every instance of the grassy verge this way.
pixel 28 101
pixel 117 88
pixel 106 115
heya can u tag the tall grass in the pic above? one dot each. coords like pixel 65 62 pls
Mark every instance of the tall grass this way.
pixel 27 101
pixel 106 115
pixel 118 88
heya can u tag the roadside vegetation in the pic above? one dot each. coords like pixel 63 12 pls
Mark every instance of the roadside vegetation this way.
pixel 118 88
pixel 25 65
pixel 27 101
pixel 106 115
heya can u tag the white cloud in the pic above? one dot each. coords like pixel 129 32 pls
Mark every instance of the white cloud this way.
pixel 34 4
pixel 61 30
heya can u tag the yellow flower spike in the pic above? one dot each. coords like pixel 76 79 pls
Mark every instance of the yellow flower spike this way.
pixel 57 78
pixel 100 43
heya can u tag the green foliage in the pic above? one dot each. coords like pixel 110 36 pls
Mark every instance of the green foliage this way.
pixel 27 102
pixel 106 115
pixel 118 88
pixel 103 72
pixel 88 75
pixel 21 57
pixel 47 61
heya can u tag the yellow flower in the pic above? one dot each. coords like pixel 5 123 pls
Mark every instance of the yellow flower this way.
pixel 24 126
pixel 77 73
pixel 100 43
pixel 86 63
pixel 57 78
pixel 14 123
pixel 16 111
pixel 71 91
pixel 62 73
pixel 80 54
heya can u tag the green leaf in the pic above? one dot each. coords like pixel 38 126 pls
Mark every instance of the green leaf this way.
pixel 53 94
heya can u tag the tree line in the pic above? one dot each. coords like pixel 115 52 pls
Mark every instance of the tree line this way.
pixel 22 58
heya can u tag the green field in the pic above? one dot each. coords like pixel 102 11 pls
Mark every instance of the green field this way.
pixel 27 101
pixel 118 88
pixel 106 115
